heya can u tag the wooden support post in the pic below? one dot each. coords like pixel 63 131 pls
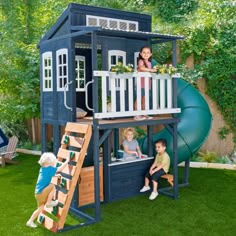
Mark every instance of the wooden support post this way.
pixel 96 172
pixel 175 155
pixel 186 171
pixel 174 53
pixel 43 137
pixel 56 135
pixel 116 141
pixel 107 175
pixel 150 144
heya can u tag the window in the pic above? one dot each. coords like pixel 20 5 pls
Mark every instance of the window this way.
pixel 111 23
pixel 103 22
pixel 115 56
pixel 62 68
pixel 47 71
pixel 80 71
pixel 136 55
pixel 123 25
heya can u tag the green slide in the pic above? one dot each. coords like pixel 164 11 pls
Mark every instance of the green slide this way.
pixel 194 126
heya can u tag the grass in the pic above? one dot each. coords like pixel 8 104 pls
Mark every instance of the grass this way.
pixel 206 207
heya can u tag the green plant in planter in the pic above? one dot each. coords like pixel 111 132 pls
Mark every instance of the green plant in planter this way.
pixel 120 68
pixel 208 156
pixel 165 69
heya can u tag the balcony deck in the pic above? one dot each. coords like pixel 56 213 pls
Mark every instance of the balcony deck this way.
pixel 129 121
pixel 119 93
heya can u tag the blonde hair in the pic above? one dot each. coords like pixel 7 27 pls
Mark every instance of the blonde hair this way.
pixel 129 129
pixel 47 158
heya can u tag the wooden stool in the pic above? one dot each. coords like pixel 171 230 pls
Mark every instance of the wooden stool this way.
pixel 170 179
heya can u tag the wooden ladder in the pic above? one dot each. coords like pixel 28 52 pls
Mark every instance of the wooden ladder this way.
pixel 74 143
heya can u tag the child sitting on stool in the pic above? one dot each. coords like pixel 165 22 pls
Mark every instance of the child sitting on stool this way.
pixel 131 146
pixel 44 190
pixel 159 167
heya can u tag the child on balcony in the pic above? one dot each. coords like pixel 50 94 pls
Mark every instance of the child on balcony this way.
pixel 44 190
pixel 144 65
pixel 159 167
pixel 131 146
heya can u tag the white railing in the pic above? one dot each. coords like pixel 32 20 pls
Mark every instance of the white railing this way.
pixel 119 92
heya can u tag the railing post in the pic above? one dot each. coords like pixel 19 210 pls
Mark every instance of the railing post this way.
pixel 174 53
pixel 104 93
pixel 94 67
pixel 155 88
pixel 113 92
pixel 138 92
pixel 174 91
pixel 131 93
pixel 169 92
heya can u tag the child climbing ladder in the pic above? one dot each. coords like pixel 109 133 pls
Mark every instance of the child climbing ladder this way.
pixel 74 143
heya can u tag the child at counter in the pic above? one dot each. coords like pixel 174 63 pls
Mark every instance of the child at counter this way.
pixel 130 145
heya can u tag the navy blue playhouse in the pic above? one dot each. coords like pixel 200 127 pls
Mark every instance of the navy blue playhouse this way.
pixel 77 86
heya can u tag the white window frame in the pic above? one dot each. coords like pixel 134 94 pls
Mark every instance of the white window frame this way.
pixel 117 54
pixel 136 55
pixel 119 22
pixel 78 79
pixel 47 78
pixel 62 69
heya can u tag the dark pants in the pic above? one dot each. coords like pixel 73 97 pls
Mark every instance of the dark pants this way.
pixel 156 175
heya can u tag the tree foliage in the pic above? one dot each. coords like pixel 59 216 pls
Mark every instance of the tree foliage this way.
pixel 22 23
pixel 19 83
pixel 210 37
pixel 174 11
pixel 208 25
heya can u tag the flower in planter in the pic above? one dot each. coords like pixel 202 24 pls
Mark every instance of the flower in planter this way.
pixel 166 69
pixel 120 68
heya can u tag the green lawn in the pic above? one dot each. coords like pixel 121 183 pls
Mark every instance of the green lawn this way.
pixel 206 207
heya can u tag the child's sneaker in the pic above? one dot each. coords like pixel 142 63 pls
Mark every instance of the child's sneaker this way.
pixel 153 195
pixel 138 118
pixel 31 224
pixel 144 189
pixel 52 204
pixel 148 117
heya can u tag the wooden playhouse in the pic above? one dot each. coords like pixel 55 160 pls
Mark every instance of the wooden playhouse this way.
pixel 76 56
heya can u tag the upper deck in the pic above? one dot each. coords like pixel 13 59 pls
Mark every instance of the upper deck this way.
pixel 117 94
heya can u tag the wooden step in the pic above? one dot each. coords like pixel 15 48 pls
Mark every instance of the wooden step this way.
pixel 169 178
